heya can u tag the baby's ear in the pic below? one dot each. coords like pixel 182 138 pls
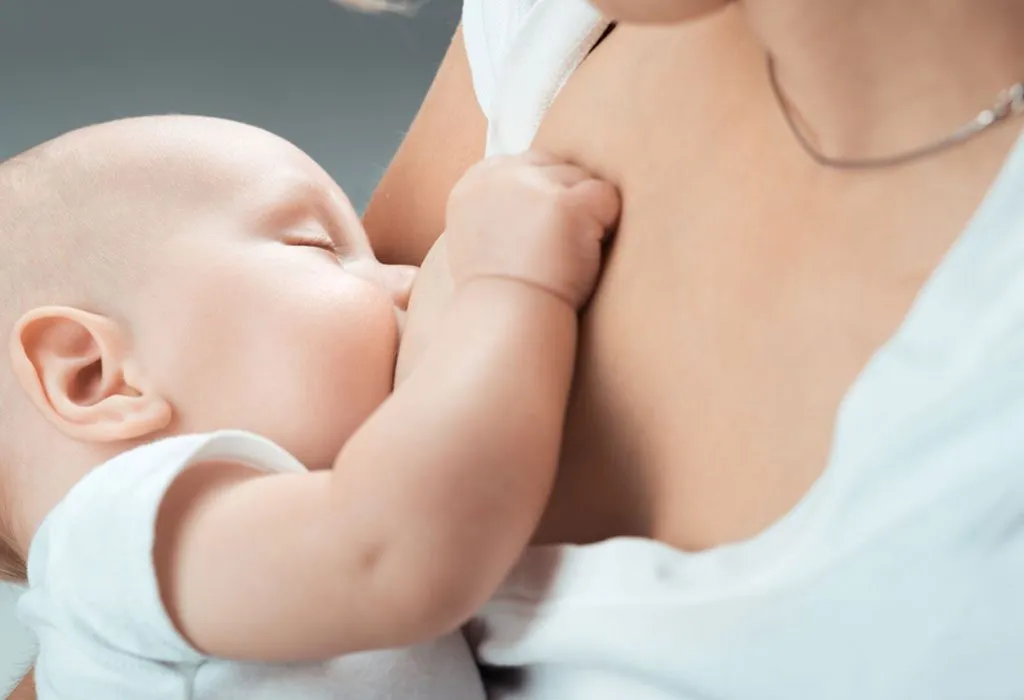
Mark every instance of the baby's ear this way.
pixel 74 365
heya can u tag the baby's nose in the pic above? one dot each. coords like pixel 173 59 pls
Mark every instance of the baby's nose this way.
pixel 395 280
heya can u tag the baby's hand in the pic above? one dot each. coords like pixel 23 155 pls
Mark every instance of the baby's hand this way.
pixel 530 218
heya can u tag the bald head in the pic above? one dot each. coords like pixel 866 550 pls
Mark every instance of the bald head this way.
pixel 84 218
pixel 79 215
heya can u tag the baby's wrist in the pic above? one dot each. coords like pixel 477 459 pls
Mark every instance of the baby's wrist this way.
pixel 514 285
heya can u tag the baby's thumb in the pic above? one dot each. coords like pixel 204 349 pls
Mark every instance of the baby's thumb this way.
pixel 601 200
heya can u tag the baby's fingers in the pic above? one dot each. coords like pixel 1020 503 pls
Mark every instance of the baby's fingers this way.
pixel 598 198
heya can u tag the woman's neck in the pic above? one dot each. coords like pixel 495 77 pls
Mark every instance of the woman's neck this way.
pixel 875 77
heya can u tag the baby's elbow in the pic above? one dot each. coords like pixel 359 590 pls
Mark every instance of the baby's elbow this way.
pixel 435 604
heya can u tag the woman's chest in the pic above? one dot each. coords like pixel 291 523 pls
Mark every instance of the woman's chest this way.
pixel 744 293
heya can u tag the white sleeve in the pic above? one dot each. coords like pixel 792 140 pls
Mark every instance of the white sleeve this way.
pixel 521 53
pixel 488 29
pixel 93 597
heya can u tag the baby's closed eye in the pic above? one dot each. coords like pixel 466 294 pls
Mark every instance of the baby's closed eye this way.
pixel 311 236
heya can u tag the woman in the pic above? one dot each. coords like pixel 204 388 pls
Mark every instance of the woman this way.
pixel 792 463
pixel 802 373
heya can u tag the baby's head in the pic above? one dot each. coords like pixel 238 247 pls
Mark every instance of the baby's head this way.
pixel 169 275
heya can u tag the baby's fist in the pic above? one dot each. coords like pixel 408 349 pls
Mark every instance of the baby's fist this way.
pixel 531 218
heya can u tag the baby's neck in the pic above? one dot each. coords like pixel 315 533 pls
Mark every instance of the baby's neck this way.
pixel 42 476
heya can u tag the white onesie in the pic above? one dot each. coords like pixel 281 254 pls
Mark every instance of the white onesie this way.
pixel 94 603
pixel 900 575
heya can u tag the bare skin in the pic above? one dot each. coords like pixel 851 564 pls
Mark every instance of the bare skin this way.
pixel 289 265
pixel 748 286
pixel 708 385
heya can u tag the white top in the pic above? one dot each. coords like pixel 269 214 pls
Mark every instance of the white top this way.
pixel 521 52
pixel 94 603
pixel 899 575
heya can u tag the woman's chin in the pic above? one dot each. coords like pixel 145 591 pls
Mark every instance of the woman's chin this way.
pixel 658 11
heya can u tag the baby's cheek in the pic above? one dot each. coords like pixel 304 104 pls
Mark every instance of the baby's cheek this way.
pixel 431 295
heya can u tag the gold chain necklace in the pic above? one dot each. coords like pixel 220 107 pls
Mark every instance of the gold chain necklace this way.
pixel 1009 103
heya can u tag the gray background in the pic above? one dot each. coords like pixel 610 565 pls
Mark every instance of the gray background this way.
pixel 340 85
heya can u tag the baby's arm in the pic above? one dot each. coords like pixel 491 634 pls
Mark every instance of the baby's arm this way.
pixel 433 499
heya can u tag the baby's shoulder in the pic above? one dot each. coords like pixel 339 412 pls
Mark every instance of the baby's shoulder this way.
pixel 118 502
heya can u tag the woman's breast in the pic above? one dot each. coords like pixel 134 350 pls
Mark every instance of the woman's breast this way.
pixel 740 299
pixel 701 410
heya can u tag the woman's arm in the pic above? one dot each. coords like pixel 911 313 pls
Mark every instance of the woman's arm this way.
pixel 406 213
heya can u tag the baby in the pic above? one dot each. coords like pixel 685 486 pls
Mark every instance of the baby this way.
pixel 201 460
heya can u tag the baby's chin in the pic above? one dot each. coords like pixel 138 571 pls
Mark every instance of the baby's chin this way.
pixel 317 444
pixel 403 362
pixel 320 457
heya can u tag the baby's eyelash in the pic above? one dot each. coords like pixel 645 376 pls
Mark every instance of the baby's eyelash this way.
pixel 317 243
pixel 312 240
